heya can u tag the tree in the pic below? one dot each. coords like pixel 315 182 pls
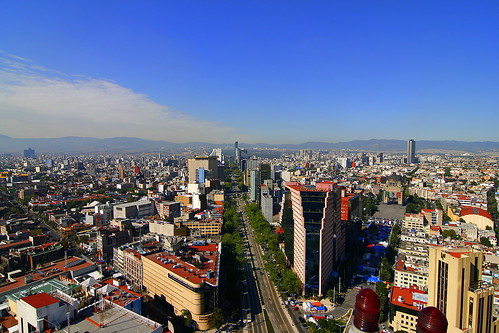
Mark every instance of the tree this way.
pixel 217 318
pixel 383 299
pixel 290 282
pixel 447 173
pixel 386 271
pixel 188 322
pixel 485 241
pixel 450 233
pixel 330 295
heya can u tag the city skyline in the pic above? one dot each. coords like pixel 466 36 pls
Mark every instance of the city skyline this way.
pixel 278 73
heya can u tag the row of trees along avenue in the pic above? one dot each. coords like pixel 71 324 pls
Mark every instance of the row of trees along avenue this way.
pixel 275 261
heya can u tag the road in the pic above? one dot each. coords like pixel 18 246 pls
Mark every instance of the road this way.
pixel 269 299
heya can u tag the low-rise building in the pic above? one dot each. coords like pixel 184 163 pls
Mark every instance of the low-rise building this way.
pixel 407 276
pixel 406 304
pixel 413 221
pixel 135 209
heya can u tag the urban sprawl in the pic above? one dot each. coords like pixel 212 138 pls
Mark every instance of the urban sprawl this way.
pixel 240 240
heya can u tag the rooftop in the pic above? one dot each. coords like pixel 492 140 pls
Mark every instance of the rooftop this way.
pixel 58 267
pixel 467 210
pixel 114 319
pixel 302 188
pixel 40 300
pixel 410 298
pixel 121 295
pixel 207 272
pixel 45 286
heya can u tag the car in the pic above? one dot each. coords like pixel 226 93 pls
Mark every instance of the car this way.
pixel 295 308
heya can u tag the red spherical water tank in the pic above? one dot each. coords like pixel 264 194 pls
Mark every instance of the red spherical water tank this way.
pixel 367 309
pixel 431 320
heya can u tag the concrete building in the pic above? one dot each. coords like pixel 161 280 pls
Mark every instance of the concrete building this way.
pixel 254 184
pixel 29 153
pixel 410 275
pixel 413 221
pixel 40 312
pixel 135 209
pixel 127 259
pixel 344 162
pixel 168 209
pixel 110 237
pixel 433 216
pixel 267 203
pixel 393 190
pixel 411 151
pixel 265 172
pixel 456 288
pixel 189 283
pixel 351 206
pixel 405 305
pixel 477 216
pixel 162 228
pixel 205 228
pixel 111 318
pixel 209 164
pixel 319 235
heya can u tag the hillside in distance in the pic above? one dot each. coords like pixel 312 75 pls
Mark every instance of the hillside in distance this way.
pixel 74 144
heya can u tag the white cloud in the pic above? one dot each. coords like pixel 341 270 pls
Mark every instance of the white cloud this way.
pixel 37 102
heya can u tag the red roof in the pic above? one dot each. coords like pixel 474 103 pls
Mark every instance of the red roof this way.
pixel 40 300
pixel 188 271
pixel 467 210
pixel 8 321
pixel 406 297
pixel 15 244
pixel 458 254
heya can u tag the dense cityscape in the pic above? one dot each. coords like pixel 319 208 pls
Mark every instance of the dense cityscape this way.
pixel 244 240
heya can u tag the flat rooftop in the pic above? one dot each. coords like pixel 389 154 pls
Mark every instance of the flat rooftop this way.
pixel 47 286
pixel 114 319
pixel 57 267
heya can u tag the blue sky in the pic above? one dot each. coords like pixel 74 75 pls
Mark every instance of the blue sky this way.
pixel 253 71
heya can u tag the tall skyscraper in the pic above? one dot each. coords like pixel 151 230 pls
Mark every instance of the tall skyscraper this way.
pixel 411 151
pixel 319 235
pixel 456 288
pixel 254 184
pixel 238 154
pixel 29 153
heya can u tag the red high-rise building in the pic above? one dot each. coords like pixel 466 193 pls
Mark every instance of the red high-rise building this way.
pixel 319 234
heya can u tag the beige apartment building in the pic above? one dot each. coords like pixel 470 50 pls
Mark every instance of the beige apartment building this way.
pixel 405 306
pixel 456 288
pixel 205 228
pixel 189 283
pixel 208 163
pixel 406 277
pixel 413 221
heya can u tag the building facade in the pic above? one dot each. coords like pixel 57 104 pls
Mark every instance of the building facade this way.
pixel 209 164
pixel 456 288
pixel 319 235
pixel 185 285
pixel 135 209
pixel 411 151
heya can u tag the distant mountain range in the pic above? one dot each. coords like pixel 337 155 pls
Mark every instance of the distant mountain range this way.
pixel 74 144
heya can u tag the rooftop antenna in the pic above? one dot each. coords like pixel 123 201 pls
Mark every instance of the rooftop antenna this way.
pixel 101 299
